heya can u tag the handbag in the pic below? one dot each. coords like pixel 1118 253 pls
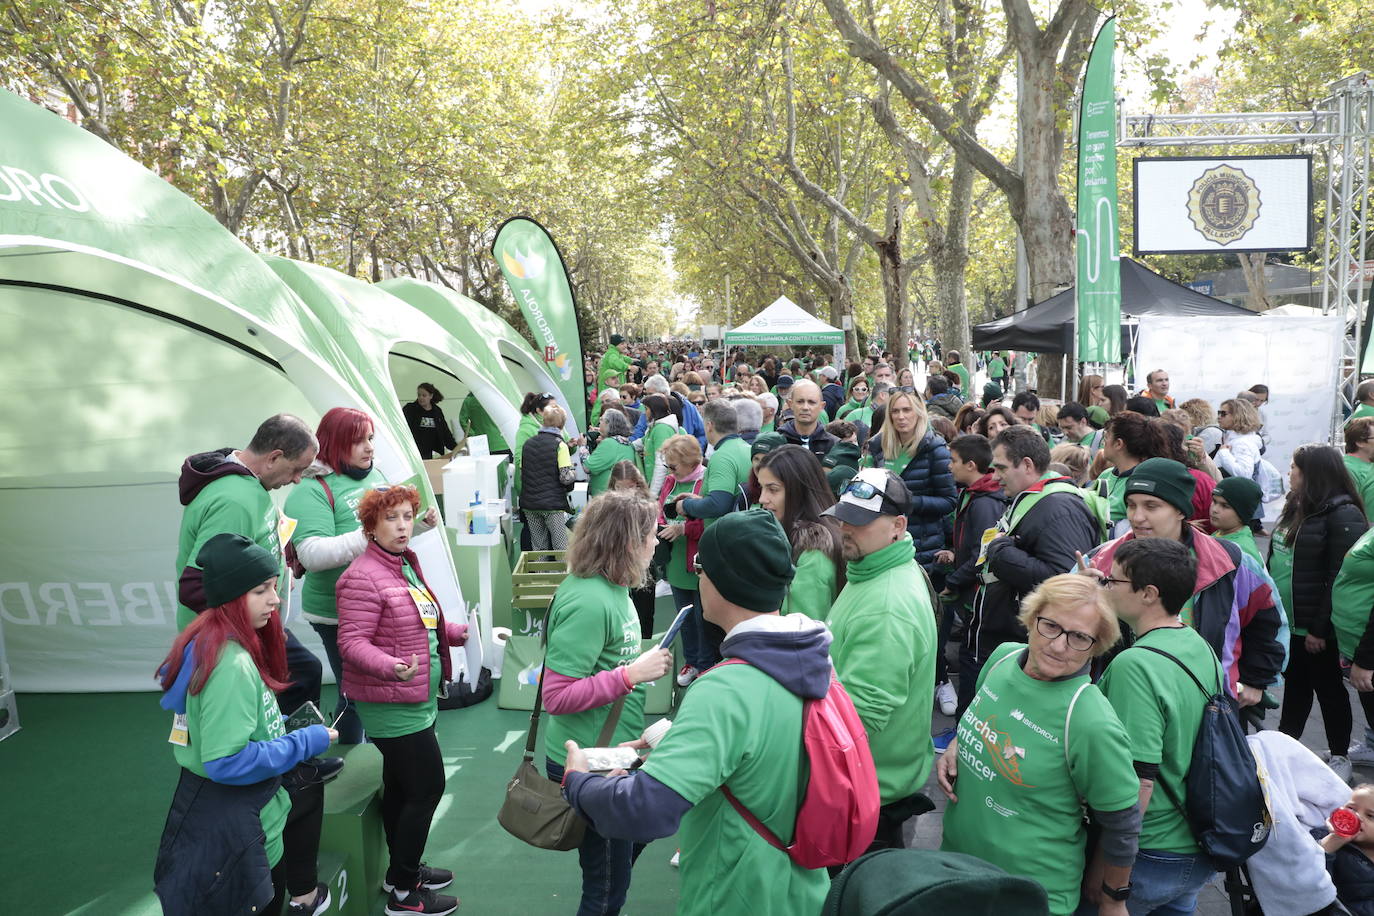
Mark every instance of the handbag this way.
pixel 535 810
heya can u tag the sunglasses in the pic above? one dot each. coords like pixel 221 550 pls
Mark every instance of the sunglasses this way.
pixel 909 389
pixel 1223 413
pixel 863 489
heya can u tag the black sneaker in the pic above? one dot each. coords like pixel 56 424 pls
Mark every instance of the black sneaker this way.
pixel 321 904
pixel 312 771
pixel 423 901
pixel 432 878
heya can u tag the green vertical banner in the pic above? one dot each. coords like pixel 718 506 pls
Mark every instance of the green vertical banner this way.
pixel 537 276
pixel 1098 286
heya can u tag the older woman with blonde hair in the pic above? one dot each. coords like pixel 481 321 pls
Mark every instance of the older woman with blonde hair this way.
pixel 594 664
pixel 1241 446
pixel 1038 742
pixel 909 448
pixel 686 473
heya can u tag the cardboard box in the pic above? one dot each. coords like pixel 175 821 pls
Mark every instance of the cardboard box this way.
pixel 434 469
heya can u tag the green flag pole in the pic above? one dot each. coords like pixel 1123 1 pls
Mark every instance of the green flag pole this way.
pixel 1097 290
pixel 538 277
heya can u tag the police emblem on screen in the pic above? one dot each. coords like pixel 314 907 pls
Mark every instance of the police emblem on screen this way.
pixel 1223 204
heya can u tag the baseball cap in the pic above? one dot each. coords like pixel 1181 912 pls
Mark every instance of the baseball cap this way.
pixel 869 495
pixel 785 381
pixel 829 372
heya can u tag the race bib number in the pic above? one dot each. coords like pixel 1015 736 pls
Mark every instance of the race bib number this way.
pixel 286 526
pixel 181 734
pixel 428 607
pixel 989 535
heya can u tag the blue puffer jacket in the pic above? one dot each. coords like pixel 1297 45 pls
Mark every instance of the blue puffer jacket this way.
pixel 933 496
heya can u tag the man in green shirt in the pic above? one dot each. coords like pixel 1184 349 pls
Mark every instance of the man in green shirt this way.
pixel 884 649
pixel 953 364
pixel 739 727
pixel 614 362
pixel 1161 707
pixel 1073 422
pixel 1364 401
pixel 1359 452
pixel 727 470
pixel 1158 390
pixel 475 421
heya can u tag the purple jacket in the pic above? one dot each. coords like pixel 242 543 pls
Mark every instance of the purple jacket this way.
pixel 379 627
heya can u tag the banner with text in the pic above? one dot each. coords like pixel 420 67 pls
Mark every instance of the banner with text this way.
pixel 1098 286
pixel 535 272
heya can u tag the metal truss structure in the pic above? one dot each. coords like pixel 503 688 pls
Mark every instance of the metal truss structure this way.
pixel 1341 129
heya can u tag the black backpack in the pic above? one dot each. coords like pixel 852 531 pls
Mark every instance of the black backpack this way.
pixel 919 882
pixel 1225 807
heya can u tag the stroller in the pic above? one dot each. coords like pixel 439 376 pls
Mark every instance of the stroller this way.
pixel 1288 877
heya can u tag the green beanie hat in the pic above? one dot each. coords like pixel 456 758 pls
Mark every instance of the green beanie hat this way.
pixel 1243 494
pixel 748 559
pixel 1098 416
pixel 766 442
pixel 1167 479
pixel 232 565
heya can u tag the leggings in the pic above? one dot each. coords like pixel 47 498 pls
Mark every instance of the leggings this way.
pixel 1318 674
pixel 548 530
pixel 295 875
pixel 412 784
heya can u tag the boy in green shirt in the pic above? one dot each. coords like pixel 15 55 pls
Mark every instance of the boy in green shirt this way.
pixel 739 726
pixel 1234 504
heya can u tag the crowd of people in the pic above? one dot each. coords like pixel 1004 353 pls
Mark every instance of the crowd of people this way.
pixel 1056 578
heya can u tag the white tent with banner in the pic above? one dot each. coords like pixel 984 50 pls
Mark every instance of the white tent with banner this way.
pixel 784 324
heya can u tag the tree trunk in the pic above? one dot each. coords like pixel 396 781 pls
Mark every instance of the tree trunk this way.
pixel 1042 214
pixel 1252 267
pixel 949 261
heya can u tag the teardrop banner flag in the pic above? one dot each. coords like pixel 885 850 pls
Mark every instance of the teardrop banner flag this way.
pixel 1098 286
pixel 538 277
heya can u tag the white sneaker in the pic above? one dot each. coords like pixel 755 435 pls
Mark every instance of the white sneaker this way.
pixel 663 589
pixel 1341 767
pixel 677 854
pixel 946 697
pixel 687 675
pixel 1361 754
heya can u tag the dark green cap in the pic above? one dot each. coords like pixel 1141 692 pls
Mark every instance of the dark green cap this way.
pixel 1098 416
pixel 748 559
pixel 1243 494
pixel 1166 479
pixel 232 565
pixel 766 442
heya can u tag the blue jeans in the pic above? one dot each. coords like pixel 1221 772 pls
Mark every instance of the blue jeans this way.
pixel 696 649
pixel 1167 883
pixel 350 726
pixel 606 865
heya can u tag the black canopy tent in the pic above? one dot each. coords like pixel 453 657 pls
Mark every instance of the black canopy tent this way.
pixel 1048 327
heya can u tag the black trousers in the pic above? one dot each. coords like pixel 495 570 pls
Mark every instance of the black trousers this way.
pixel 643 599
pixel 1316 674
pixel 306 673
pixel 295 875
pixel 412 784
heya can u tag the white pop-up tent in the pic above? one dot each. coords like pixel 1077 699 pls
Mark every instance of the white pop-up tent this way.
pixel 784 324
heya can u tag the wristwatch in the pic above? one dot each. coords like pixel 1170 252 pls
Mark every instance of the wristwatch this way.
pixel 1117 893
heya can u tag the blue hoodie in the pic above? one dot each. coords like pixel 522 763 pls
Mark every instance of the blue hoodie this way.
pixel 792 650
pixel 258 760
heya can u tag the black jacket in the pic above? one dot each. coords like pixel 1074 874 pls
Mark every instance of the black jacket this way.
pixel 933 495
pixel 1321 543
pixel 820 443
pixel 212 859
pixel 541 485
pixel 1044 544
pixel 979 509
pixel 833 396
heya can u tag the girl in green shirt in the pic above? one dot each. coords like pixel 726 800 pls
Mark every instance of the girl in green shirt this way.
pixel 793 487
pixel 858 409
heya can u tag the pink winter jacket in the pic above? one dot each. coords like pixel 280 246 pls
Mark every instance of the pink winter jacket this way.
pixel 379 627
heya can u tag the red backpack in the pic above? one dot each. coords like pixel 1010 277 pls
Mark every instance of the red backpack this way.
pixel 838 816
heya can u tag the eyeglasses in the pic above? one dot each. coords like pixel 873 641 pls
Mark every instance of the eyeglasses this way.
pixel 1223 413
pixel 1109 582
pixel 1079 642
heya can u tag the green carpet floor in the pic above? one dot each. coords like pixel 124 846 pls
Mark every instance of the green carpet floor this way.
pixel 87 781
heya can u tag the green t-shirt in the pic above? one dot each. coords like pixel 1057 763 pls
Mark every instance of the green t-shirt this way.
pixel 1246 539
pixel 997 368
pixel 1361 410
pixel 679 576
pixel 658 433
pixel 813 590
pixel 1161 709
pixel 592 627
pixel 737 727
pixel 1116 492
pixel 609 453
pixel 884 653
pixel 314 517
pixel 234 708
pixel 1363 474
pixel 1021 789
pixel 959 370
pixel 1162 405
pixel 1352 596
pixel 728 469
pixel 1281 569
pixel 475 421
pixel 396 720
pixel 235 503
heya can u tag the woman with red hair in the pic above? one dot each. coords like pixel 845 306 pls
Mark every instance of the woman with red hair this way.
pixel 229 844
pixel 328 536
pixel 394 642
